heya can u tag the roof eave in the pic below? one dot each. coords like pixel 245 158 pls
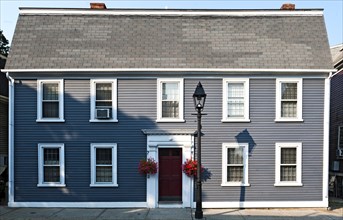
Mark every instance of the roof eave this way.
pixel 171 70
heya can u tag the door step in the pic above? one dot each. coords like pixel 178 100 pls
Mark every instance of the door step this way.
pixel 170 204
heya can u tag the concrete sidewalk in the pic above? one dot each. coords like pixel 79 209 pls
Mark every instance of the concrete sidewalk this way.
pixel 168 214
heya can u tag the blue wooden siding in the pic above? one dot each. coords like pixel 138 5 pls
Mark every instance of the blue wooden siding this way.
pixel 136 111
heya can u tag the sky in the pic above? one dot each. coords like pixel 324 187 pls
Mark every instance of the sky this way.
pixel 333 9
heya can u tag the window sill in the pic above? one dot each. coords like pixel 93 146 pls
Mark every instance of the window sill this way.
pixel 288 184
pixel 235 184
pixel 170 120
pixel 235 120
pixel 51 185
pixel 50 120
pixel 288 120
pixel 103 185
pixel 105 120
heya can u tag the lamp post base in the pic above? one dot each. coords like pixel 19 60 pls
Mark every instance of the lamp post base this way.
pixel 199 214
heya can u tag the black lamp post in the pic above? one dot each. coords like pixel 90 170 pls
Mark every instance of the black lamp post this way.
pixel 199 98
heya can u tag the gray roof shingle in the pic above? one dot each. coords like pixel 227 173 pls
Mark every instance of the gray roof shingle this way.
pixel 136 41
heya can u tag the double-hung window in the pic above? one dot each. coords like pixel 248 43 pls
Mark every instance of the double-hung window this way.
pixel 50 101
pixel 104 165
pixel 288 164
pixel 235 164
pixel 170 100
pixel 235 100
pixel 288 100
pixel 103 100
pixel 51 165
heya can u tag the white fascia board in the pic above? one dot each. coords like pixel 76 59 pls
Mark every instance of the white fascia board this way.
pixel 54 11
pixel 173 70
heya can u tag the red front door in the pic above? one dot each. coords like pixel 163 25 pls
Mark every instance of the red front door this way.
pixel 170 174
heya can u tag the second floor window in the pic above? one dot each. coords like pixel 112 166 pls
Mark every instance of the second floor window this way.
pixel 104 100
pixel 170 100
pixel 235 100
pixel 50 100
pixel 288 100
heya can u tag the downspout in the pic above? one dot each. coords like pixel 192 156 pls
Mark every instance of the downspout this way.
pixel 10 140
pixel 326 140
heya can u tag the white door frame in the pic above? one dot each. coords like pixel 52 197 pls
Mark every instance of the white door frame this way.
pixel 154 142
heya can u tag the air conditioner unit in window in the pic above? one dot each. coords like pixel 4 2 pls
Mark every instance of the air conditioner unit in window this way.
pixel 339 152
pixel 102 113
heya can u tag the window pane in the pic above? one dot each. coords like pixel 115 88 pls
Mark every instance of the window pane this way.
pixel 170 91
pixel 288 173
pixel 170 109
pixel 235 156
pixel 51 156
pixel 340 137
pixel 235 90
pixel 50 91
pixel 289 109
pixel 235 100
pixel 103 91
pixel 50 109
pixel 289 91
pixel 288 155
pixel 235 107
pixel 104 174
pixel 235 174
pixel 51 174
pixel 103 156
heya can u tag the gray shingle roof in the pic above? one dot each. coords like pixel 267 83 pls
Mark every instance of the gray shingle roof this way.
pixel 119 41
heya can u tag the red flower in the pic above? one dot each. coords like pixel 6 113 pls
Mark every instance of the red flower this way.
pixel 147 166
pixel 190 167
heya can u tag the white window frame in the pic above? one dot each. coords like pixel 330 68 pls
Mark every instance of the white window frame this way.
pixel 245 82
pixel 93 99
pixel 40 83
pixel 159 100
pixel 113 146
pixel 278 117
pixel 245 146
pixel 298 181
pixel 41 182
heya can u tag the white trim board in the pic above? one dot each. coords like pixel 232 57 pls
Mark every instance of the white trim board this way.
pixel 172 70
pixel 239 13
pixel 270 204
pixel 80 204
pixel 326 138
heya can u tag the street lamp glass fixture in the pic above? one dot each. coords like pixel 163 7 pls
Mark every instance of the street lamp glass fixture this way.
pixel 199 97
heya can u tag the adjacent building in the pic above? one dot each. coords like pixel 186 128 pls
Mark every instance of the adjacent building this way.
pixel 336 124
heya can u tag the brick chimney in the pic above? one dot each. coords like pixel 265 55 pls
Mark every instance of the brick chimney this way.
pixel 288 6
pixel 98 6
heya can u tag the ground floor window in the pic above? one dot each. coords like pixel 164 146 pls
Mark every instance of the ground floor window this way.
pixel 288 164
pixel 51 165
pixel 235 164
pixel 104 164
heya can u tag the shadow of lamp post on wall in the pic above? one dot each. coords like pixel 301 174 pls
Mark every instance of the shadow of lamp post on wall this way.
pixel 199 98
